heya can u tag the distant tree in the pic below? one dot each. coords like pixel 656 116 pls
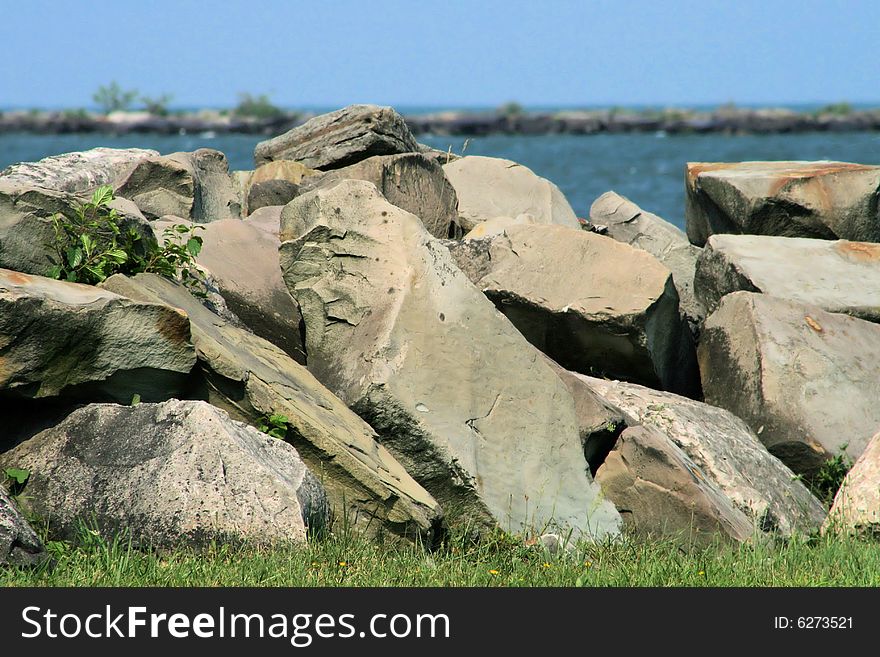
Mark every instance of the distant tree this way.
pixel 113 98
pixel 157 106
pixel 511 109
pixel 840 109
pixel 256 107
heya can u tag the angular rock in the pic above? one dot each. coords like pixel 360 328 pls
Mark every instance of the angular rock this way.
pixel 496 226
pixel 827 200
pixel 804 380
pixel 856 507
pixel 288 170
pixel 19 544
pixel 468 406
pixel 411 181
pixel 627 222
pixel 489 187
pixel 179 473
pixel 271 192
pixel 439 156
pixel 592 304
pixel 726 451
pixel 159 186
pixel 368 490
pixel 80 171
pixel 267 219
pixel 340 138
pixel 61 338
pixel 838 276
pixel 660 492
pixel 216 195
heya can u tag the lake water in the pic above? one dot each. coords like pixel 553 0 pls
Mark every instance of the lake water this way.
pixel 647 168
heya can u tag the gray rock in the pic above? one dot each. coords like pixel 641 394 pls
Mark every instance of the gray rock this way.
pixel 368 490
pixel 627 222
pixel 68 339
pixel 216 195
pixel 805 381
pixel 827 200
pixel 489 187
pixel 838 276
pixel 727 453
pixel 411 181
pixel 340 138
pixel 592 304
pixel 465 403
pixel 179 473
pixel 660 492
pixel 19 544
pixel 271 192
pixel 856 507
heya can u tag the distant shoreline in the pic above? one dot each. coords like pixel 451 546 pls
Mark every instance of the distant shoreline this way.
pixel 509 119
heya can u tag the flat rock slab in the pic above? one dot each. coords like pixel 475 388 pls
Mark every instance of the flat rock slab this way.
pixel 61 338
pixel 399 333
pixel 660 492
pixel 727 452
pixel 838 276
pixel 489 187
pixel 179 473
pixel 628 223
pixel 19 544
pixel 369 491
pixel 856 507
pixel 592 304
pixel 340 138
pixel 827 200
pixel 805 381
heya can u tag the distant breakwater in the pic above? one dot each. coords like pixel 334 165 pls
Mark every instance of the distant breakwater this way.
pixel 724 120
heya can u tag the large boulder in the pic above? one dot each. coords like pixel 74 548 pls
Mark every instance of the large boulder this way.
pixel 179 473
pixel 340 138
pixel 411 181
pixel 68 339
pixel 838 276
pixel 627 222
pixel 856 506
pixel 496 226
pixel 727 453
pixel 660 492
pixel 398 332
pixel 76 172
pixel 827 200
pixel 19 544
pixel 592 304
pixel 368 490
pixel 489 187
pixel 805 381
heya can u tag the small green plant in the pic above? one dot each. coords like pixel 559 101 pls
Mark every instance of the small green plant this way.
pixel 92 244
pixel 256 107
pixel 838 109
pixel 274 425
pixel 135 399
pixel 114 98
pixel 17 478
pixel 157 106
pixel 828 479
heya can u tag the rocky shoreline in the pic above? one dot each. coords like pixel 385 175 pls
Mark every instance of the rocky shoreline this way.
pixel 393 340
pixel 724 120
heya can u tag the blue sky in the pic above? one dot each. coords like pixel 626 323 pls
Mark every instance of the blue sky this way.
pixel 453 53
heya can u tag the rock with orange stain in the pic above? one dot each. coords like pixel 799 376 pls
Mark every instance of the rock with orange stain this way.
pixel 826 200
pixel 838 276
pixel 806 381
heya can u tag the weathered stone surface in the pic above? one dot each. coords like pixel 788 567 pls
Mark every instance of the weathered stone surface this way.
pixel 172 474
pixel 19 545
pixel 26 231
pixel 489 187
pixel 410 181
pixel 59 337
pixel 267 219
pixel 805 381
pixel 397 331
pixel 856 506
pixel 727 452
pixel 838 276
pixel 80 171
pixel 497 225
pixel 216 195
pixel 660 492
pixel 439 156
pixel 340 138
pixel 288 170
pixel 827 200
pixel 627 222
pixel 159 186
pixel 592 304
pixel 271 192
pixel 369 491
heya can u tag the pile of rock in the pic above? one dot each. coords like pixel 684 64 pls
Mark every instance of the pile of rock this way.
pixel 441 343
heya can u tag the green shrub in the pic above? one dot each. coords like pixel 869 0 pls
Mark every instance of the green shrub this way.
pixel 93 245
pixel 828 479
pixel 256 107
pixel 274 425
pixel 113 98
pixel 157 106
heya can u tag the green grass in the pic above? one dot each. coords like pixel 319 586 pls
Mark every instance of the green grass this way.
pixel 498 561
